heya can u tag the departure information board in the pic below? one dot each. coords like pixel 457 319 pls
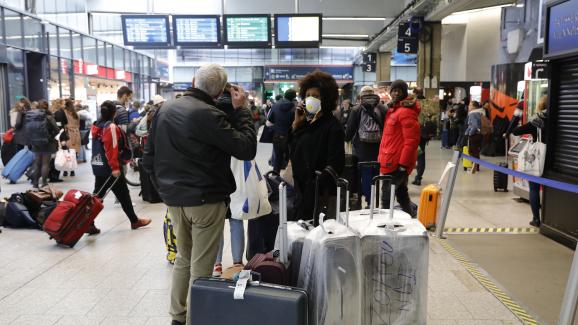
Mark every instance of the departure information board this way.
pixel 298 30
pixel 146 30
pixel 197 30
pixel 247 31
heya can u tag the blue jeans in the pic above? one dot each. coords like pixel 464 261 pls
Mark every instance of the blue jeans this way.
pixel 237 242
pixel 535 200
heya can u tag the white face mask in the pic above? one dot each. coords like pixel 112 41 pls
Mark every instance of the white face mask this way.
pixel 312 105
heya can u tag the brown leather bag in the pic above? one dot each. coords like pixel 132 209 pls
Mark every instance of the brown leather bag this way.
pixel 46 193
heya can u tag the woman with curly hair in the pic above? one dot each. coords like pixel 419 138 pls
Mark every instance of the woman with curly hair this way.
pixel 317 144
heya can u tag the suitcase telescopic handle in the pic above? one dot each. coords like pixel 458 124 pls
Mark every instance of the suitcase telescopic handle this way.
pixel 284 249
pixel 373 198
pixel 115 179
pixel 341 182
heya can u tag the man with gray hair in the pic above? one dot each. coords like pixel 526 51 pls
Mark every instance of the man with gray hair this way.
pixel 189 155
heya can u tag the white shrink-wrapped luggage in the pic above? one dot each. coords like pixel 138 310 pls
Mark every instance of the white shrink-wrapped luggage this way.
pixel 394 253
pixel 331 272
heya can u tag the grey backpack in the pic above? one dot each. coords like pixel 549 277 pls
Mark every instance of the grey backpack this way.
pixel 369 130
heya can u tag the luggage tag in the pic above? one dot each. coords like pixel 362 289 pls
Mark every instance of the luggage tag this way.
pixel 241 286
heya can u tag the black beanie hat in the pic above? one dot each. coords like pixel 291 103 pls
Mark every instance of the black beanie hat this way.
pixel 400 84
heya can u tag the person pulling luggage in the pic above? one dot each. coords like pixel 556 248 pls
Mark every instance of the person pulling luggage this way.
pixel 398 150
pixel 109 149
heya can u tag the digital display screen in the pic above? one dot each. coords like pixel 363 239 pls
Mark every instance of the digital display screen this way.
pixel 196 30
pixel 146 30
pixel 298 30
pixel 247 30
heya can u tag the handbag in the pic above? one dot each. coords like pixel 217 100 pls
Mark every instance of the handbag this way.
pixel 65 160
pixel 532 157
pixel 8 136
pixel 84 137
pixel 267 135
pixel 251 199
pixel 46 193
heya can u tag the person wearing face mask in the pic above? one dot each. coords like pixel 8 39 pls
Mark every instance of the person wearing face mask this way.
pixel 398 149
pixel 316 143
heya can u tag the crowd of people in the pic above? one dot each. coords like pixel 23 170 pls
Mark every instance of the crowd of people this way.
pixel 187 144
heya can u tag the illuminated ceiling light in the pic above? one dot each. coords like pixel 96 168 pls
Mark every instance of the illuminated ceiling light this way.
pixel 355 18
pixel 346 35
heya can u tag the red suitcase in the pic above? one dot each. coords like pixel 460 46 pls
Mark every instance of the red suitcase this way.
pixel 72 217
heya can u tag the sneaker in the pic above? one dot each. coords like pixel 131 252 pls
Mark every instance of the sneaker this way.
pixel 140 223
pixel 64 174
pixel 93 230
pixel 535 223
pixel 72 174
pixel 217 270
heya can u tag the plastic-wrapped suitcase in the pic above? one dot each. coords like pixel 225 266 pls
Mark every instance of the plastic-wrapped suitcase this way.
pixel 331 271
pixel 212 302
pixel 73 216
pixel 394 254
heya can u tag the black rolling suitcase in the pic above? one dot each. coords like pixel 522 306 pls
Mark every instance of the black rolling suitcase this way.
pixel 212 302
pixel 501 179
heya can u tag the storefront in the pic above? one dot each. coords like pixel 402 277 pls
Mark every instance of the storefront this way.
pixel 561 47
pixel 43 60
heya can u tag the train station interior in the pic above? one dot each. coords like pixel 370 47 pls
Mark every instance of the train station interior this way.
pixel 496 246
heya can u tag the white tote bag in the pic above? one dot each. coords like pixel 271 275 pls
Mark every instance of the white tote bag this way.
pixel 65 160
pixel 532 157
pixel 251 199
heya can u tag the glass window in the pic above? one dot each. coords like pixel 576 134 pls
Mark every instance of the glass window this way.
pixel 64 43
pixel 65 73
pixel 109 56
pixel 89 48
pixel 51 39
pixel 53 80
pixel 127 61
pixel 76 46
pixel 135 58
pixel 33 34
pixel 13 28
pixel 118 58
pixel 15 74
pixel 101 55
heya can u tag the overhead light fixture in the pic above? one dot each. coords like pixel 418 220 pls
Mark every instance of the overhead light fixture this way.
pixel 356 18
pixel 346 35
pixel 463 17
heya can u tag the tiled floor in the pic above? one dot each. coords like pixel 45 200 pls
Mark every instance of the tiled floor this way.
pixel 121 276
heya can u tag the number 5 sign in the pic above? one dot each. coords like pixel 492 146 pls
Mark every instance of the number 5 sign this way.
pixel 407 38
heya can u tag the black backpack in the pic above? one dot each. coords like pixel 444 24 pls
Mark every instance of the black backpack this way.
pixel 36 127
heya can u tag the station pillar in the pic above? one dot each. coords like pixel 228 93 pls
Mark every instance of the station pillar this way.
pixel 429 58
pixel 383 67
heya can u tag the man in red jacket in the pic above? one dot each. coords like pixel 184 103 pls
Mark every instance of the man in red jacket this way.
pixel 398 149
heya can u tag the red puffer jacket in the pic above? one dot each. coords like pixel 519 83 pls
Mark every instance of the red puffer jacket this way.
pixel 401 136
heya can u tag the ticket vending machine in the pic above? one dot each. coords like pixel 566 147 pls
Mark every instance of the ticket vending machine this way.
pixel 521 187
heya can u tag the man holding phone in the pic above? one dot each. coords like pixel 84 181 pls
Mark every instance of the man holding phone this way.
pixel 189 155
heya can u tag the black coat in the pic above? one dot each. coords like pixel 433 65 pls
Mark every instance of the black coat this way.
pixel 313 148
pixel 190 147
pixel 282 116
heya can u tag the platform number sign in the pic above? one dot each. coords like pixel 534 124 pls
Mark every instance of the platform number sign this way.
pixel 369 62
pixel 407 38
